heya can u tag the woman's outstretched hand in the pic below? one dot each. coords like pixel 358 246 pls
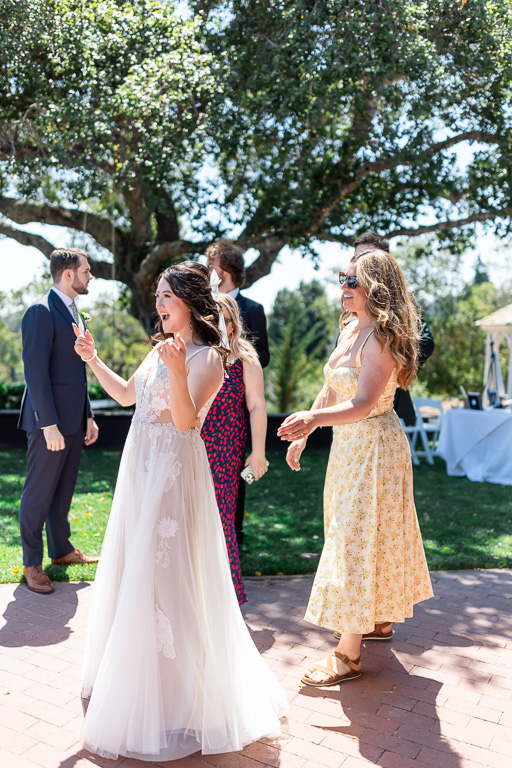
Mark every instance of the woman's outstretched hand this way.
pixel 172 352
pixel 84 344
pixel 294 453
pixel 296 426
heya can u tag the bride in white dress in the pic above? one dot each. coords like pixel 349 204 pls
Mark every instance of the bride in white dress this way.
pixel 170 667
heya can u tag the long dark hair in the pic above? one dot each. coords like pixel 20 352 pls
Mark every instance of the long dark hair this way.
pixel 190 282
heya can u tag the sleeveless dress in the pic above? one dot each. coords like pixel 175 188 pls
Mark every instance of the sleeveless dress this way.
pixel 170 667
pixel 225 433
pixel 373 565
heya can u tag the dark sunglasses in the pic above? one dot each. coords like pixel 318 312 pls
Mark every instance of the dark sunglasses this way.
pixel 350 281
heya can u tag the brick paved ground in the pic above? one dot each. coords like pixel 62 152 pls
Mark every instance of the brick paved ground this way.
pixel 439 695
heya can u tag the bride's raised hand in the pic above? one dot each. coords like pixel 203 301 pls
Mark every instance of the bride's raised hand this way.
pixel 294 453
pixel 84 344
pixel 172 352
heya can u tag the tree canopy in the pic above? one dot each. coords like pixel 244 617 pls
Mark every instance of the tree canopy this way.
pixel 275 122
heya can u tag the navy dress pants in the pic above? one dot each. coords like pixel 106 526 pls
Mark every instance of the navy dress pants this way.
pixel 47 495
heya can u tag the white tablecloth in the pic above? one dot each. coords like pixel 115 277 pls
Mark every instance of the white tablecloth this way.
pixel 477 444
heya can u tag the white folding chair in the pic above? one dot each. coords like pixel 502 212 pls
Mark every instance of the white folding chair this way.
pixel 433 425
pixel 418 430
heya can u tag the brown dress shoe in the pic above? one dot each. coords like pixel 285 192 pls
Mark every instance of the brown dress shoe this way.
pixel 37 580
pixel 76 558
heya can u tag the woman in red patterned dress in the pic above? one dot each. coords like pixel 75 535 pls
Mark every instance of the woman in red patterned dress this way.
pixel 225 429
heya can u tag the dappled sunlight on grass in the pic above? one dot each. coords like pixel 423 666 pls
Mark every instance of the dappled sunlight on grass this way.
pixel 464 524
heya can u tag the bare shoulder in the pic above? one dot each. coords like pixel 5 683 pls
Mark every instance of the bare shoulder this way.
pixel 375 353
pixel 207 360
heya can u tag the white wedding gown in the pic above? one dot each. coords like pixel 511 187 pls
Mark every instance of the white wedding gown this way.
pixel 170 667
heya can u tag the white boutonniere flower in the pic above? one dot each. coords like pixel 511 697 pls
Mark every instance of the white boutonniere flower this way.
pixel 86 317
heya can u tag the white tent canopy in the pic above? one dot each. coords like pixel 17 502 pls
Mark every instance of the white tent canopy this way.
pixel 497 326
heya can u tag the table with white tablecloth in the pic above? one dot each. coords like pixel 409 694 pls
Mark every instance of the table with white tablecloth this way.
pixel 477 444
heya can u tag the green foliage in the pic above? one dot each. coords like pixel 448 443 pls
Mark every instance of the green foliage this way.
pixel 115 91
pixel 285 122
pixel 336 109
pixel 11 393
pixel 451 307
pixel 460 344
pixel 302 330
pixel 12 306
pixel 464 524
pixel 121 341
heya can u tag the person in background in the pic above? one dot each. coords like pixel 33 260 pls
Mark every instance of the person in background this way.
pixel 372 570
pixel 227 260
pixel 56 415
pixel 225 430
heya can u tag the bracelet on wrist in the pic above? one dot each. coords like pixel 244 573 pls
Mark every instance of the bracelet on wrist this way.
pixel 90 359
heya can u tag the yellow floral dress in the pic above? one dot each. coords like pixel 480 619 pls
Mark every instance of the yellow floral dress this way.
pixel 373 565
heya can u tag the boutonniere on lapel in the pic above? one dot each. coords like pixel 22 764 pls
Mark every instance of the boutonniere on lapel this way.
pixel 85 317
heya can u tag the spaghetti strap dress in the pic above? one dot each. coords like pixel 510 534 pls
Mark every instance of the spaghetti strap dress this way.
pixel 170 667
pixel 373 566
pixel 225 434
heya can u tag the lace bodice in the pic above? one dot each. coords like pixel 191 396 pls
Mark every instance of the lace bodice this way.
pixel 343 380
pixel 153 391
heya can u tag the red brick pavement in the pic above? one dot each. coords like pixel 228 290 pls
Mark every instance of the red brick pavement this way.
pixel 439 695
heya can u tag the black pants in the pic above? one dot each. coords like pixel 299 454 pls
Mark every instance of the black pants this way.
pixel 47 496
pixel 240 514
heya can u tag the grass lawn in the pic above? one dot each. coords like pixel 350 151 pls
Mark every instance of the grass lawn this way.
pixel 464 524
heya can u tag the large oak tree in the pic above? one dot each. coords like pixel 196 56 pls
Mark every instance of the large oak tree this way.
pixel 276 122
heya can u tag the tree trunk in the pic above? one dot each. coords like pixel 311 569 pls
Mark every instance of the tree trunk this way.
pixel 143 307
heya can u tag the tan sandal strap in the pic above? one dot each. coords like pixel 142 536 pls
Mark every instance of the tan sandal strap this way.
pixel 324 670
pixel 345 659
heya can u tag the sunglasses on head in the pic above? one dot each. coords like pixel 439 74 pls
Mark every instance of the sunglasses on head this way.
pixel 350 281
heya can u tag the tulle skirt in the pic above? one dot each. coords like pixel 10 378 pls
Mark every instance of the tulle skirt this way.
pixel 170 667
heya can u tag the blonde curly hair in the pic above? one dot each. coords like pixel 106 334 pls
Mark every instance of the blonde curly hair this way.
pixel 239 345
pixel 390 305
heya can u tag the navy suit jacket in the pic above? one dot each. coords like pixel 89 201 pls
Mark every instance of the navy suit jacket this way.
pixel 56 383
pixel 255 322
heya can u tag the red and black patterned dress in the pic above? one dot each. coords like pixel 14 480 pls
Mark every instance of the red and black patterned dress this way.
pixel 224 433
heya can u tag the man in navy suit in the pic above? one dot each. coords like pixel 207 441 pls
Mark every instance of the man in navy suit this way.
pixel 227 260
pixel 57 417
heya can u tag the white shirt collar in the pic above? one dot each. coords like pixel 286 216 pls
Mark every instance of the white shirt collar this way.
pixel 234 293
pixel 65 298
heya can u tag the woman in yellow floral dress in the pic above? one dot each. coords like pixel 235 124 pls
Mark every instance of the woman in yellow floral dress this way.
pixel 373 569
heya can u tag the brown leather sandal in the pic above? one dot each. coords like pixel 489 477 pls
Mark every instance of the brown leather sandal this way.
pixel 377 633
pixel 333 677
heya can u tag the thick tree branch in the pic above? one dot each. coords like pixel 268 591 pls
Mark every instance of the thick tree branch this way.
pixel 445 226
pixel 101 269
pixel 140 215
pixel 329 237
pixel 404 158
pixel 343 189
pixel 269 248
pixel 23 212
pixel 152 263
pixel 27 238
pixel 167 221
pixel 440 226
